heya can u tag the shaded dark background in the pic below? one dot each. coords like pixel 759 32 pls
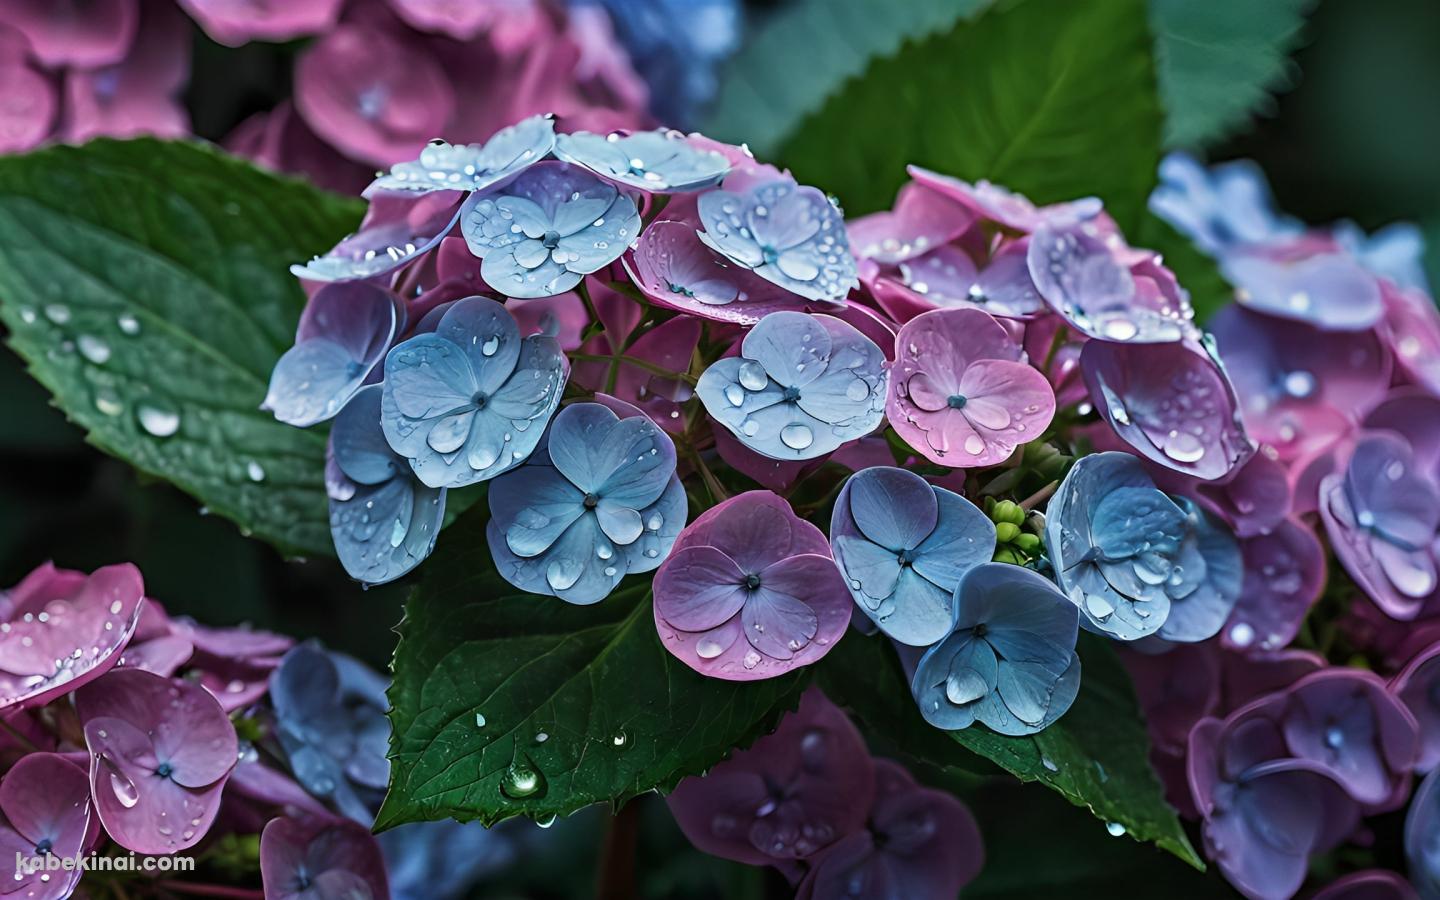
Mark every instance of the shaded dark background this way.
pixel 1356 136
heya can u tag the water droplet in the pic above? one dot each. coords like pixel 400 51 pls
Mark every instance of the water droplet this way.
pixel 108 403
pixel 1241 634
pixel 751 660
pixel 797 436
pixel 490 346
pixel 57 313
pixel 735 394
pixel 128 324
pixel 522 780
pixel 1115 829
pixel 546 821
pixel 752 376
pixel 94 349
pixel 974 445
pixel 620 741
pixel 709 648
pixel 479 720
pixel 122 786
pixel 1049 764
pixel 1184 448
pixel 159 421
pixel 254 471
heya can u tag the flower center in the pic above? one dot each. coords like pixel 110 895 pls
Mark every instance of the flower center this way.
pixel 551 240
pixel 591 501
pixel 43 847
pixel 480 399
pixel 979 630
pixel 769 254
pixel 164 770
pixel 752 582
pixel 790 394
pixel 957 401
pixel 906 557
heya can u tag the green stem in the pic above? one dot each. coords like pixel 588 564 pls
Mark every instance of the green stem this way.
pixel 637 363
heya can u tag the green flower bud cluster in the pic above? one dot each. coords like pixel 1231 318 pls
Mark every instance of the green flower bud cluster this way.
pixel 1016 538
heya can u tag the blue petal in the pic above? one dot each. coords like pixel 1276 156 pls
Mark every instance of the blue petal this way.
pixel 357 443
pixel 1203 611
pixel 920 612
pixel 657 161
pixel 429 376
pixel 625 461
pixel 872 571
pixel 664 520
pixel 471 167
pixel 892 507
pixel 790 235
pixel 386 530
pixel 382 248
pixel 952 679
pixel 488 335
pixel 963 538
pixel 1129 521
pixel 312 381
pixel 533 505
pixel 1032 696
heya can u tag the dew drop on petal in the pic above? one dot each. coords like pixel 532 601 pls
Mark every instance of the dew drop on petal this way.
pixel 797 436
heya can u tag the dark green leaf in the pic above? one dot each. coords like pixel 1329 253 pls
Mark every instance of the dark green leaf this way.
pixel 579 704
pixel 1049 97
pixel 1096 755
pixel 145 284
pixel 1220 60
pixel 804 52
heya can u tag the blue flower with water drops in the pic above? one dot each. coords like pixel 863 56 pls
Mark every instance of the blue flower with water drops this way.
pixel 802 386
pixel 443 860
pixel 1221 207
pixel 471 167
pixel 903 546
pixel 343 334
pixel 1009 663
pixel 659 161
pixel 789 234
pixel 382 519
pixel 601 500
pixel 471 399
pixel 1118 545
pixel 330 721
pixel 547 229
pixel 1204 584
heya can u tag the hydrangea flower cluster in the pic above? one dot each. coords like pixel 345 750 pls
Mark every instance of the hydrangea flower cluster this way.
pixel 376 80
pixel 970 426
pixel 124 729
pixel 1313 708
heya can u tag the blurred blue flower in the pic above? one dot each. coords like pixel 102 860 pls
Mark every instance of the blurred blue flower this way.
pixel 343 334
pixel 471 167
pixel 547 229
pixel 1422 837
pixel 330 719
pixel 442 860
pixel 658 161
pixel 903 546
pixel 1010 663
pixel 599 502
pixel 1329 290
pixel 383 520
pixel 790 235
pixel 471 399
pixel 1221 207
pixel 1396 252
pixel 1116 542
pixel 677 46
pixel 801 386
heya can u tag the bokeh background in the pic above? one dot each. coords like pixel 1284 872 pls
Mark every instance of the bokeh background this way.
pixel 1354 135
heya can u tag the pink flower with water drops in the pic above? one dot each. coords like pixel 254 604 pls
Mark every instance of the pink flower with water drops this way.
pixel 60 629
pixel 161 751
pixel 81 33
pixel 960 391
pixel 235 22
pixel 45 811
pixel 750 591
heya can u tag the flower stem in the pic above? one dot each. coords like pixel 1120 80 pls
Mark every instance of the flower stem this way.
pixel 1039 496
pixel 617 857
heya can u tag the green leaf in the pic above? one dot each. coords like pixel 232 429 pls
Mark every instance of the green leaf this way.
pixel 771 85
pixel 508 704
pixel 1096 755
pixel 1219 60
pixel 1052 98
pixel 145 284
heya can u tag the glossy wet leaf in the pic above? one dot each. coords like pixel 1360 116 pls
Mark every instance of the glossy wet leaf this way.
pixel 506 703
pixel 1096 755
pixel 145 284
pixel 1050 98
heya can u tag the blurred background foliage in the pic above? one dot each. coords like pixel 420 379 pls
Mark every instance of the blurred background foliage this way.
pixel 1350 133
